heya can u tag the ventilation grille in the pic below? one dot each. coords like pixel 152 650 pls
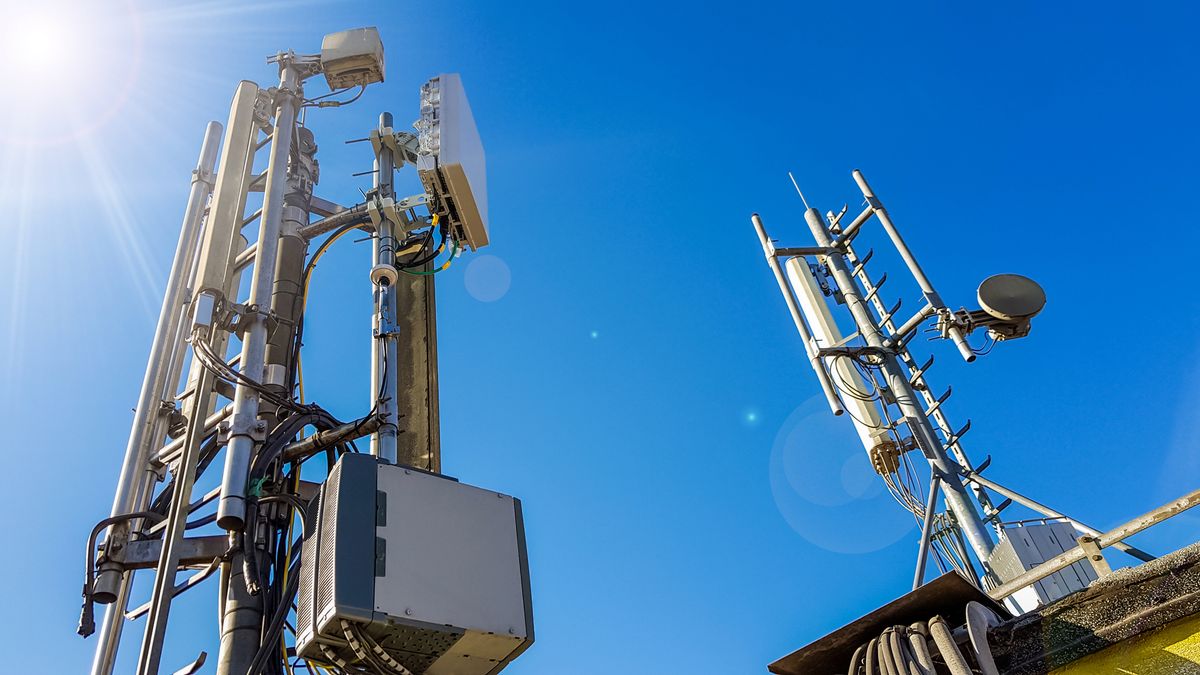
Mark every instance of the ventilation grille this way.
pixel 324 568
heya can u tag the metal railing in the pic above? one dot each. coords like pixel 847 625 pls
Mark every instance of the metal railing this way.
pixel 1090 546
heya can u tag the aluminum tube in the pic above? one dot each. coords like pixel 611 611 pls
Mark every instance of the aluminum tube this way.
pixel 957 497
pixel 196 406
pixel 1051 513
pixel 111 627
pixel 243 259
pixel 168 562
pixel 806 337
pixel 229 195
pixel 912 324
pixel 135 468
pixel 926 531
pixel 113 623
pixel 231 511
pixel 384 354
pixel 171 450
pixel 851 230
pixel 355 214
pixel 1105 540
pixel 914 267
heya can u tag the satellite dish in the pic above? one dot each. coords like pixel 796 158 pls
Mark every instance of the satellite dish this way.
pixel 1011 297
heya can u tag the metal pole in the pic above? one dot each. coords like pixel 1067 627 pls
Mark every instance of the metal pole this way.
pixel 168 562
pixel 1106 539
pixel 814 358
pixel 113 623
pixel 417 393
pixel 244 425
pixel 957 498
pixel 864 415
pixel 242 613
pixel 935 483
pixel 931 296
pixel 200 384
pixel 384 358
pixel 136 480
pixel 1051 513
pixel 151 405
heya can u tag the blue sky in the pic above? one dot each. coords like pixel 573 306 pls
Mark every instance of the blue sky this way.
pixel 639 384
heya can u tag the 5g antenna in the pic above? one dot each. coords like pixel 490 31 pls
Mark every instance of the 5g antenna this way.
pixel 223 401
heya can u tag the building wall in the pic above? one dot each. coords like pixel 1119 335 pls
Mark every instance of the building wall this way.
pixel 1171 650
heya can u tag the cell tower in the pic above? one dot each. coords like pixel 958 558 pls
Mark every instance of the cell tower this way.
pixel 872 377
pixel 369 563
pixel 1023 596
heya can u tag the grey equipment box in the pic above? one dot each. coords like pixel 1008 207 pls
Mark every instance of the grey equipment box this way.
pixel 403 567
pixel 352 58
pixel 1025 546
pixel 450 160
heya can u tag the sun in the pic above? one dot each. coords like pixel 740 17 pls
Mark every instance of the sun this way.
pixel 41 46
pixel 68 65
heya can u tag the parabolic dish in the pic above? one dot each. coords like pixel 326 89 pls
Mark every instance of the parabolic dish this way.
pixel 1011 297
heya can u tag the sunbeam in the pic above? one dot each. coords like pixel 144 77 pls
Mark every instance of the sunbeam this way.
pixel 124 228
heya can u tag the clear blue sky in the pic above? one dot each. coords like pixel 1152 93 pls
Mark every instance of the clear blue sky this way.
pixel 635 381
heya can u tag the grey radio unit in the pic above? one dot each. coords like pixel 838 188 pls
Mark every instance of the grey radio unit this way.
pixel 407 571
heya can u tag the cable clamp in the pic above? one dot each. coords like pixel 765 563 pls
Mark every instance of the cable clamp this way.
pixel 255 431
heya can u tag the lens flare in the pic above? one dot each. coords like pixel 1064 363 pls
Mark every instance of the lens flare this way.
pixel 824 486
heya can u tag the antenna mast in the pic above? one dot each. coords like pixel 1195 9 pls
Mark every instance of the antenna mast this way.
pixel 872 375
pixel 249 409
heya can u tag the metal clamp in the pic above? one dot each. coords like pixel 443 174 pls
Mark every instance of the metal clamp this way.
pixel 402 144
pixel 255 431
pixel 380 209
pixel 1091 548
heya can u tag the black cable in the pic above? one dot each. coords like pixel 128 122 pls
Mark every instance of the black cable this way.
pixel 304 284
pixel 87 621
pixel 319 103
pixel 444 232
pixel 270 641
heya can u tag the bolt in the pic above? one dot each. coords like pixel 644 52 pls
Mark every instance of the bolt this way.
pixel 408 611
